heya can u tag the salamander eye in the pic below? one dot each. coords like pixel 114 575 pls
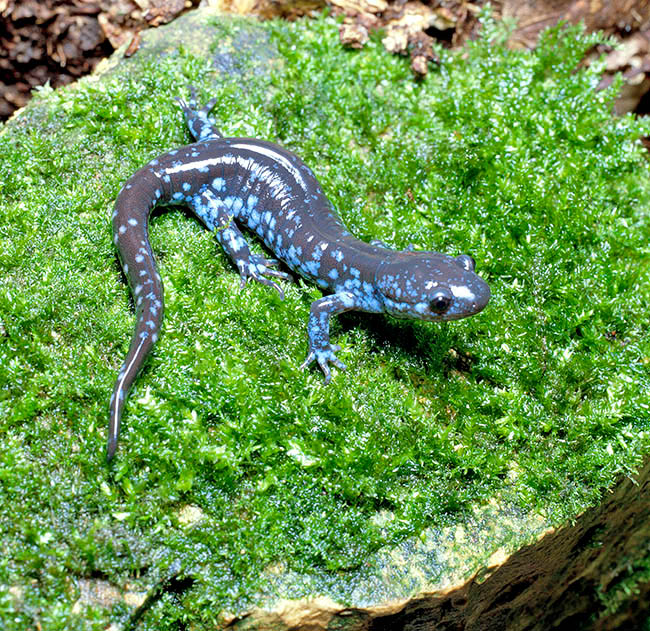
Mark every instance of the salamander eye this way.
pixel 440 301
pixel 466 262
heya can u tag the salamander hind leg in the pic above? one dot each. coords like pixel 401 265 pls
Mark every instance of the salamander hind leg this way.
pixel 197 119
pixel 218 216
pixel 257 267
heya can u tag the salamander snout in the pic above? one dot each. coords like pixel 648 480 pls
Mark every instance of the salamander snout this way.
pixel 471 296
pixel 431 286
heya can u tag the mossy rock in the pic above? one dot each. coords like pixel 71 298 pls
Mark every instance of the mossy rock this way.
pixel 243 483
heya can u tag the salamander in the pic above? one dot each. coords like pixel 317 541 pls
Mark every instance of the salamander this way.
pixel 233 182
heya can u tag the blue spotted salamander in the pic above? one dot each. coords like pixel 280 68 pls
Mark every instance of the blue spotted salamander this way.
pixel 260 185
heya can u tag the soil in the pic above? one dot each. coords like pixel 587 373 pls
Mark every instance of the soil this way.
pixel 58 41
pixel 61 40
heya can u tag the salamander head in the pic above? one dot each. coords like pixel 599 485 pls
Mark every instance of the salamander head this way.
pixel 431 286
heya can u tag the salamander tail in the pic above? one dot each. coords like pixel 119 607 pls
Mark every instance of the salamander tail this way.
pixel 130 227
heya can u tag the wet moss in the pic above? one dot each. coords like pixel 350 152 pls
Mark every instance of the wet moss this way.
pixel 512 156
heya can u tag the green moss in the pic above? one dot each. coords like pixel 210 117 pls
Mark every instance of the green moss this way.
pixel 624 591
pixel 511 156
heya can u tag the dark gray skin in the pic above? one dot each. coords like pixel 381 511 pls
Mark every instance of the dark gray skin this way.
pixel 241 181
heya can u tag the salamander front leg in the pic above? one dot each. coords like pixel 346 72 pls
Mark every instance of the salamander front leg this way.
pixel 320 348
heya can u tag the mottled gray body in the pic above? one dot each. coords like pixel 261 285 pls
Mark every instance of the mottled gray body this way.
pixel 231 182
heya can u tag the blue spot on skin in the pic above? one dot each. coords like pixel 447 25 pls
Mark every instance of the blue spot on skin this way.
pixel 333 274
pixel 352 283
pixel 219 184
pixel 311 267
pixel 186 186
